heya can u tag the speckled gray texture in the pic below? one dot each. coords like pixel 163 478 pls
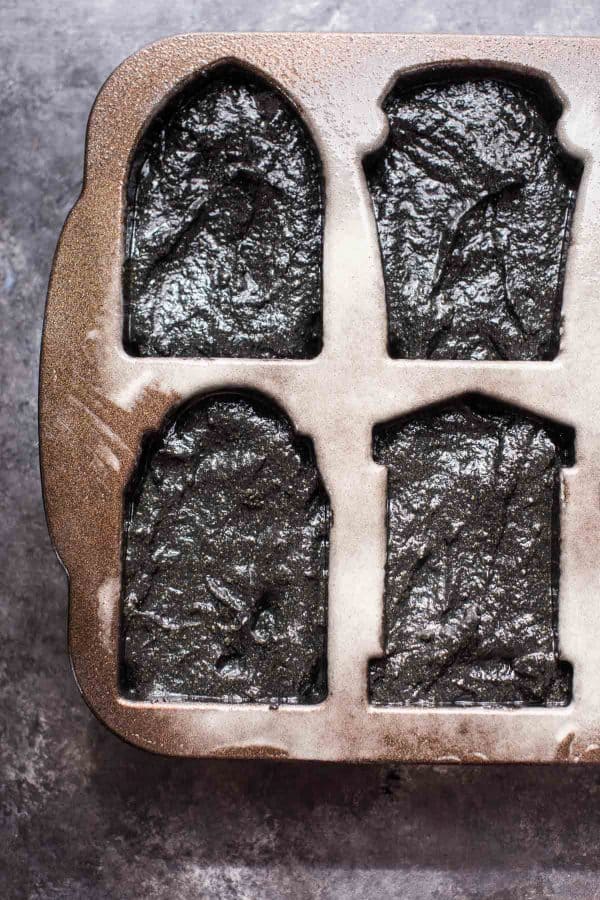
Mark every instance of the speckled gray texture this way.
pixel 471 589
pixel 225 226
pixel 473 198
pixel 225 584
pixel 82 813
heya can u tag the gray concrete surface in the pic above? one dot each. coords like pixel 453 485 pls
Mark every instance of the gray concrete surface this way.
pixel 84 815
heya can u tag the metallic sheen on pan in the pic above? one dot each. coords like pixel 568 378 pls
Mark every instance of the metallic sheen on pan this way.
pixel 98 401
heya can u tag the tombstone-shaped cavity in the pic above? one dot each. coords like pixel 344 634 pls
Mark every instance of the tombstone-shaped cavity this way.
pixel 473 198
pixel 471 587
pixel 224 226
pixel 226 560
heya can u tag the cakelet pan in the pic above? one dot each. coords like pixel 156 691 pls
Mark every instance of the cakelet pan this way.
pixel 97 402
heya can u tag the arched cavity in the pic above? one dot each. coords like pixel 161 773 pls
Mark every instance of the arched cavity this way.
pixel 223 252
pixel 226 560
pixel 473 545
pixel 473 198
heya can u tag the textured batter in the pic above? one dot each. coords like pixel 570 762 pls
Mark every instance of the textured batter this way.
pixel 472 570
pixel 224 227
pixel 473 199
pixel 226 560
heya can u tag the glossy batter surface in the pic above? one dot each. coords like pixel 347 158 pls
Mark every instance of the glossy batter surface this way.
pixel 225 585
pixel 473 200
pixel 471 585
pixel 224 227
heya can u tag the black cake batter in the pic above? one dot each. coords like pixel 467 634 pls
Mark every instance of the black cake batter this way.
pixel 473 200
pixel 473 555
pixel 225 585
pixel 223 252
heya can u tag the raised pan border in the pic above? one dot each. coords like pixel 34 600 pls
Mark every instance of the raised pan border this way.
pixel 96 402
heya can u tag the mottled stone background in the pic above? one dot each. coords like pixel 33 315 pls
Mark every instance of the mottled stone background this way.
pixel 83 814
